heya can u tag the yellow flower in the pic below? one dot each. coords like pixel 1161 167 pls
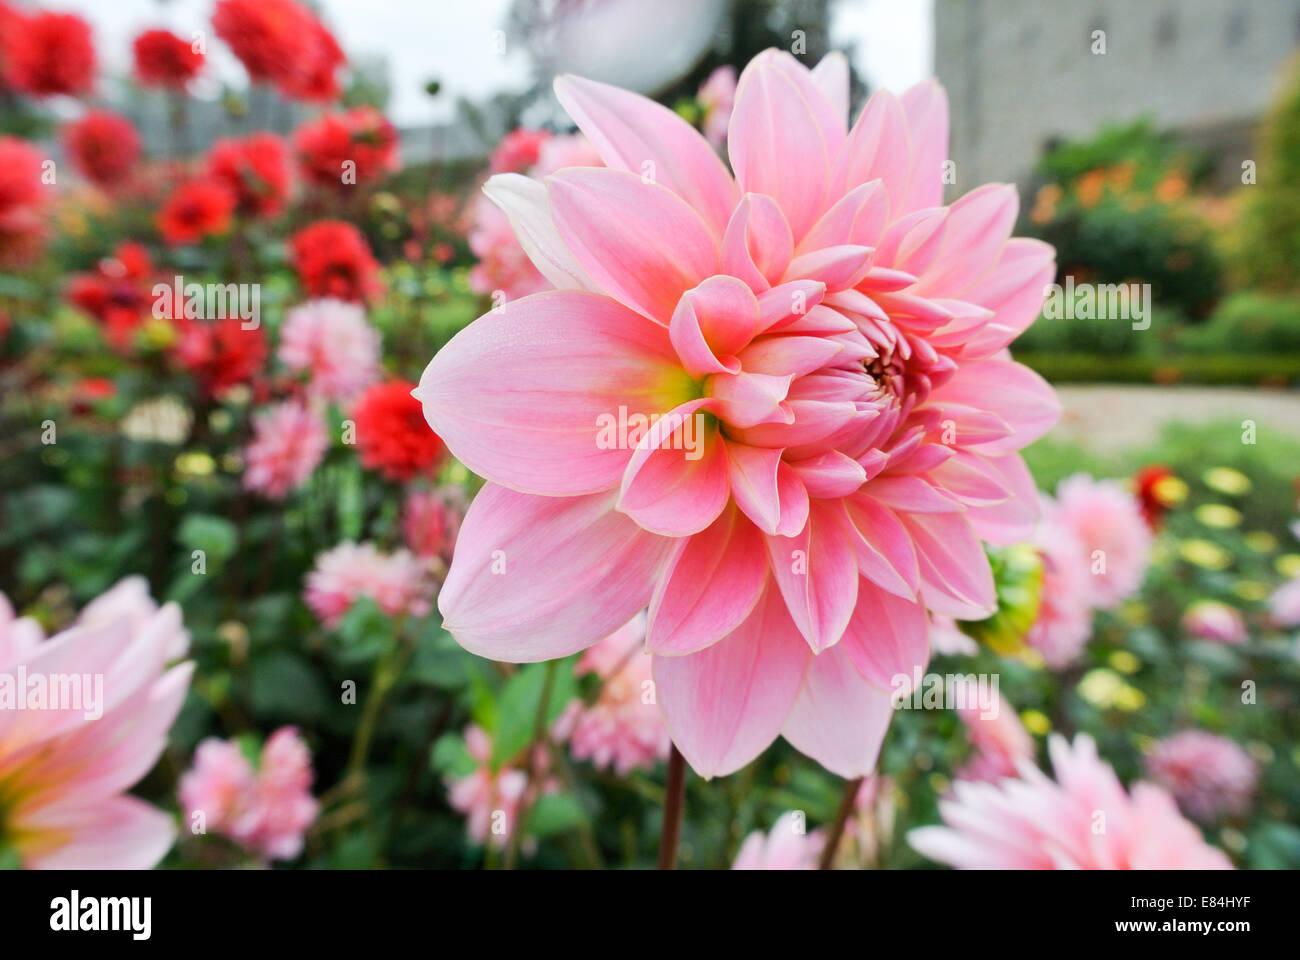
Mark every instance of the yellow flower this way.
pixel 1288 565
pixel 1204 554
pixel 1251 589
pixel 1099 686
pixel 1218 515
pixel 1227 480
pixel 1036 722
pixel 196 464
pixel 1129 698
pixel 1169 491
pixel 1261 541
pixel 1125 662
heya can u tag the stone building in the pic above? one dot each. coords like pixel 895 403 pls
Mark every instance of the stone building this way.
pixel 1021 73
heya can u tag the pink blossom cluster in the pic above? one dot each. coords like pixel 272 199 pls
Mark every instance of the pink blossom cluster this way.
pixel 266 810
pixel 398 582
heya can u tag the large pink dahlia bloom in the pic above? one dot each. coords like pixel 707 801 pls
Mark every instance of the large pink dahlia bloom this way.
pixel 1081 820
pixel 775 408
pixel 83 716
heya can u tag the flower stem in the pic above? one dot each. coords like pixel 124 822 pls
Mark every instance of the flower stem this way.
pixel 674 805
pixel 531 787
pixel 841 818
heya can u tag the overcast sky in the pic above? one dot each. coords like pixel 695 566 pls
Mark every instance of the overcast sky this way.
pixel 453 41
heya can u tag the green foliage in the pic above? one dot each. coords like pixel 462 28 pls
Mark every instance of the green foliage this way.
pixel 1269 248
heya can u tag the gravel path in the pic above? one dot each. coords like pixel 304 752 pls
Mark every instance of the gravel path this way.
pixel 1111 418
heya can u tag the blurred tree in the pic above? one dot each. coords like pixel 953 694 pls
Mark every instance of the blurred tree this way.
pixel 1269 254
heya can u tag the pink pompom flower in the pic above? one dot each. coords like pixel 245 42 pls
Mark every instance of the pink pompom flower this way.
pixel 775 409
pixel 97 702
pixel 623 730
pixel 1115 540
pixel 267 810
pixel 1000 741
pixel 1209 776
pixel 717 95
pixel 431 520
pixel 1216 622
pixel 288 444
pixel 331 341
pixel 398 582
pixel 786 847
pixel 1081 820
pixel 1284 604
pixel 1064 621
pixel 490 797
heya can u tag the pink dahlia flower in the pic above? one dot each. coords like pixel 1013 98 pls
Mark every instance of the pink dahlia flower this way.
pixel 97 702
pixel 1082 820
pixel 1284 604
pixel 1209 776
pixel 774 408
pixel 1000 741
pixel 1064 621
pixel 1215 621
pixel 288 443
pixel 398 582
pixel 1115 541
pixel 489 798
pixel 265 811
pixel 431 520
pixel 717 95
pixel 786 847
pixel 333 343
pixel 623 730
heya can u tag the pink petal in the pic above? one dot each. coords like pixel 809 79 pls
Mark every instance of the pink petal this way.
pixel 727 703
pixel 832 76
pixel 757 245
pixel 926 107
pixel 838 267
pixel 817 573
pixel 711 323
pixel 792 355
pixel 883 547
pixel 752 474
pixel 859 218
pixel 640 242
pixel 794 501
pixel 528 209
pixel 629 130
pixel 776 144
pixel 877 148
pixel 526 396
pixel 830 475
pixel 977 228
pixel 748 399
pixel 887 636
pixel 838 718
pixel 710 585
pixel 955 576
pixel 1012 520
pixel 1023 399
pixel 118 833
pixel 676 482
pixel 535 578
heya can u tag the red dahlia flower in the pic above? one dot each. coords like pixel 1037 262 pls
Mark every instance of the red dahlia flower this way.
pixel 118 293
pixel 23 199
pixel 220 354
pixel 103 147
pixel 332 260
pixel 163 59
pixel 201 208
pixel 362 135
pixel 256 170
pixel 392 437
pixel 49 53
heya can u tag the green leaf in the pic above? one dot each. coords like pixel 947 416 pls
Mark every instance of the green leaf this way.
pixel 439 661
pixel 555 813
pixel 517 709
pixel 217 537
pixel 365 630
pixel 450 756
pixel 284 685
